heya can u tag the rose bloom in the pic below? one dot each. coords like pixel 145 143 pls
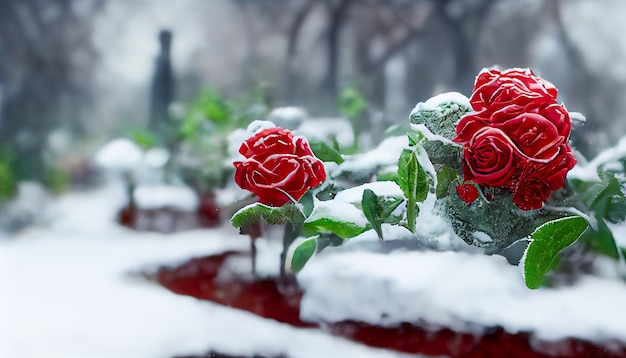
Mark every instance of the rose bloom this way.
pixel 490 158
pixel 517 138
pixel 495 89
pixel 278 166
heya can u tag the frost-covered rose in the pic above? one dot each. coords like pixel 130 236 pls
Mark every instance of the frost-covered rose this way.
pixel 490 158
pixel 277 165
pixel 495 89
pixel 517 138
pixel 275 140
pixel 539 180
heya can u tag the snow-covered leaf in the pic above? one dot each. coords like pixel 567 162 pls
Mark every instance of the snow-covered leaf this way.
pixel 546 243
pixel 343 229
pixel 273 216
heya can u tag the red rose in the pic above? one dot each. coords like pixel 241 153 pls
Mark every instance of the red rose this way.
pixel 554 113
pixel 278 166
pixel 539 180
pixel 518 137
pixel 535 136
pixel 267 142
pixel 490 158
pixel 494 90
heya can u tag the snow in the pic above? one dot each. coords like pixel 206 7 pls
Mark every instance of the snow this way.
pixel 337 211
pixel 119 154
pixel 156 157
pixel 432 136
pixel 386 154
pixel 67 293
pixel 390 233
pixel 433 103
pixel 589 172
pixel 459 290
pixel 577 117
pixel 322 129
pixel 162 196
pixel 239 135
pixel 287 117
pixel 380 188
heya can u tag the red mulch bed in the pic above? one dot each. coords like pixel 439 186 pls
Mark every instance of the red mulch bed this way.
pixel 281 301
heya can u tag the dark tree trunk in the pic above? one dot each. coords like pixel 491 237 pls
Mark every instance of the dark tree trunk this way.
pixel 337 19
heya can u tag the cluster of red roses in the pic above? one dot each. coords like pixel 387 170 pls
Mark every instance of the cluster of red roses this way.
pixel 517 138
pixel 278 165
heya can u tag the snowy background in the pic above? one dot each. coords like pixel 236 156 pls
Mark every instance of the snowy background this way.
pixel 68 290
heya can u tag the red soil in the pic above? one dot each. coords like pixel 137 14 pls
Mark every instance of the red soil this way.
pixel 281 301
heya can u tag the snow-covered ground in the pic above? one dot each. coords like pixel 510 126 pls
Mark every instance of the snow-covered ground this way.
pixel 66 292
pixel 466 292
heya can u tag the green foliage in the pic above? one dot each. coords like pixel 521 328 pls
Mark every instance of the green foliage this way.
pixel 446 176
pixel 8 182
pixel 546 243
pixel 302 254
pixel 325 224
pixel 351 103
pixel 211 112
pixel 605 201
pixel 325 152
pixel 370 207
pixel 273 216
pixel 56 179
pixel 388 174
pixel 142 137
pixel 442 120
pixel 378 210
pixel 413 181
pixel 499 218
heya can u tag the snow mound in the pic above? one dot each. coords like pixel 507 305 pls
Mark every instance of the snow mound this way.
pixel 459 290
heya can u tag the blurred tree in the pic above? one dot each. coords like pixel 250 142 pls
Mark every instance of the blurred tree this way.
pixel 46 60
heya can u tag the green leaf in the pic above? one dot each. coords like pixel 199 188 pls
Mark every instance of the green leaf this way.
pixel 413 181
pixel 302 254
pixel 214 107
pixel 351 102
pixel 617 209
pixel 273 216
pixel 412 178
pixel 325 152
pixel 143 137
pixel 546 243
pixel 322 225
pixel 370 207
pixel 387 176
pixel 601 240
pixel 445 177
pixel 387 206
pixel 307 203
pixel 415 138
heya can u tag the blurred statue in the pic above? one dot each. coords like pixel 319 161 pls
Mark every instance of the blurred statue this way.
pixel 162 93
